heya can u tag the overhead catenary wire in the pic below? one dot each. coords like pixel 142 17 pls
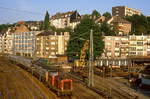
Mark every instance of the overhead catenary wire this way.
pixel 15 17
pixel 18 10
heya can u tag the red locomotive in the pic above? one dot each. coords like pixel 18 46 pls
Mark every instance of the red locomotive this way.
pixel 62 86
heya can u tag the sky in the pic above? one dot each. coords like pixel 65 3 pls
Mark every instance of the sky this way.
pixel 18 10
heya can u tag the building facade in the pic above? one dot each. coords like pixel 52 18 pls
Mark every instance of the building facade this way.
pixel 24 43
pixel 1 43
pixel 63 20
pixel 126 46
pixel 139 45
pixel 24 40
pixel 50 44
pixel 6 42
pixel 115 47
pixel 119 49
pixel 123 11
pixel 122 26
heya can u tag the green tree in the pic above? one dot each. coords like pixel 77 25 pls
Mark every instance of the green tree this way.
pixel 140 24
pixel 66 29
pixel 107 29
pixel 82 33
pixel 107 15
pixel 95 14
pixel 4 27
pixel 46 23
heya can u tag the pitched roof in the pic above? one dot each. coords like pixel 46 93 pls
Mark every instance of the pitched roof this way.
pixel 63 15
pixel 50 32
pixel 46 33
pixel 117 19
pixel 100 19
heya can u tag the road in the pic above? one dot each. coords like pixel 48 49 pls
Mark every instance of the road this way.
pixel 15 83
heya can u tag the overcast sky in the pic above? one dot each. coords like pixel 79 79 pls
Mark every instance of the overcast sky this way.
pixel 10 9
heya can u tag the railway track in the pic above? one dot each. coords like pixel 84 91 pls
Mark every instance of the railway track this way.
pixel 66 97
pixel 120 92
pixel 16 83
pixel 104 90
pixel 83 81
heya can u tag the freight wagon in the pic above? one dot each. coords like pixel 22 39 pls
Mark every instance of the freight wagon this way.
pixel 53 80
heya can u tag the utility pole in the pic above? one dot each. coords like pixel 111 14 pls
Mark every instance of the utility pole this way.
pixel 91 82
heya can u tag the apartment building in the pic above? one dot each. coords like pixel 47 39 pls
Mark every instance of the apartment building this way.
pixel 123 11
pixel 115 46
pixel 24 41
pixel 8 42
pixel 139 45
pixel 63 20
pixel 122 26
pixel 1 43
pixel 50 44
pixel 126 46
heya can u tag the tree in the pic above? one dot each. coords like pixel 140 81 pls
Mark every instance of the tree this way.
pixel 66 29
pixel 107 29
pixel 46 22
pixel 4 27
pixel 140 24
pixel 82 33
pixel 107 15
pixel 95 14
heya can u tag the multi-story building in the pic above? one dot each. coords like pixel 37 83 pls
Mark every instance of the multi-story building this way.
pixel 123 11
pixel 122 26
pixel 115 46
pixel 8 42
pixel 139 45
pixel 63 20
pixel 24 41
pixel 1 43
pixel 119 48
pixel 126 46
pixel 49 44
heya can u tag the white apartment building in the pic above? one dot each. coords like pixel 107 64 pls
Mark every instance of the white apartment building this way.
pixel 63 20
pixel 126 46
pixel 139 45
pixel 6 42
pixel 1 43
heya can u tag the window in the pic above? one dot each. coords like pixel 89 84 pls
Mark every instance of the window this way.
pixel 52 38
pixel 52 43
pixel 37 38
pixel 52 48
pixel 52 53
